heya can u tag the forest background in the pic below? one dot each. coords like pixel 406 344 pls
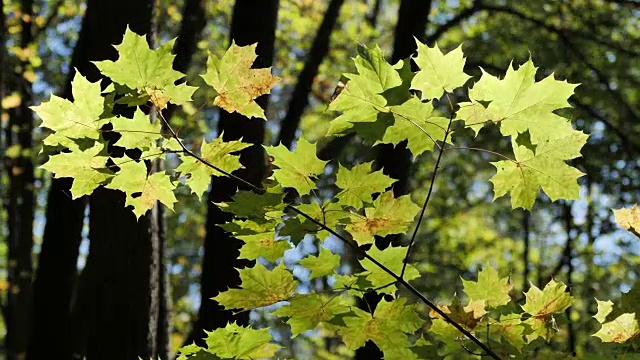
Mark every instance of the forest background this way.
pixel 83 277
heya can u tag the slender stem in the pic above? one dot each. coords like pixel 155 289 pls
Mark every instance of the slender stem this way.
pixel 426 201
pixel 354 246
pixel 481 150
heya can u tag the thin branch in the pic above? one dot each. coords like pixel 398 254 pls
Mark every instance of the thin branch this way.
pixel 426 201
pixel 351 244
pixel 462 16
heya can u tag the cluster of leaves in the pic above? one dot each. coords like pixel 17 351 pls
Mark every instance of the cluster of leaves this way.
pixel 109 138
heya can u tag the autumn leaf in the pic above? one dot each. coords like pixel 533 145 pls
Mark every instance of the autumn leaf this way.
pixel 238 85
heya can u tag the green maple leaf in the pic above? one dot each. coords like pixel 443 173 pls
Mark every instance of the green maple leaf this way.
pixel 73 120
pixel 306 312
pixel 142 190
pixel 138 132
pixel 262 244
pixel 553 299
pixel 387 328
pixel 392 258
pixel 362 100
pixel 621 329
pixel 388 215
pixel 149 72
pixel 510 328
pixel 604 309
pixel 296 169
pixel 359 183
pixel 329 214
pixel 260 287
pixel 519 104
pixel 194 352
pixel 439 73
pixel 217 153
pixel 259 208
pixel 489 287
pixel 238 342
pixel 236 83
pixel 543 166
pixel 87 168
pixel 322 265
pixel 542 305
pixel 413 122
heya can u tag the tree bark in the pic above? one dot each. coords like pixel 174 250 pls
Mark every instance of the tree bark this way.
pixel 252 21
pixel 317 53
pixel 111 313
pixel 21 206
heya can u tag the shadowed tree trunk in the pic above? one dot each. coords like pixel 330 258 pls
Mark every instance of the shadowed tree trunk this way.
pixel 20 211
pixel 111 313
pixel 252 21
pixel 317 53
pixel 413 16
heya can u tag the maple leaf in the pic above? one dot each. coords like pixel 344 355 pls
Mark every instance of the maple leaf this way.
pixel 262 244
pixel 358 184
pixel 260 287
pixel 329 214
pixel 238 342
pixel 322 265
pixel 414 123
pixel 519 104
pixel 542 165
pixel 619 330
pixel 73 120
pixel 604 309
pixel 388 216
pixel 138 132
pixel 392 258
pixel 295 169
pixel 307 311
pixel 629 219
pixel 510 328
pixel 468 316
pixel 259 208
pixel 194 352
pixel 148 71
pixel 87 168
pixel 387 328
pixel 542 304
pixel 489 287
pixel 362 99
pixel 439 73
pixel 142 190
pixel 236 83
pixel 217 153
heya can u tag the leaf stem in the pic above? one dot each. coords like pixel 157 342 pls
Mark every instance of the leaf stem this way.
pixel 426 201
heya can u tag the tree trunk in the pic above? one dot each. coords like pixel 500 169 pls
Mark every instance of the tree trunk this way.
pixel 21 206
pixel 317 53
pixel 253 21
pixel 111 314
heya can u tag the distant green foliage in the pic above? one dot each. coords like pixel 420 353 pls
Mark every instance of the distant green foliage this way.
pixel 382 103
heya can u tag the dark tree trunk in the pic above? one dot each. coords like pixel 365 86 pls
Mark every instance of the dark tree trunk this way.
pixel 253 21
pixel 111 313
pixel 21 207
pixel 317 53
pixel 413 16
